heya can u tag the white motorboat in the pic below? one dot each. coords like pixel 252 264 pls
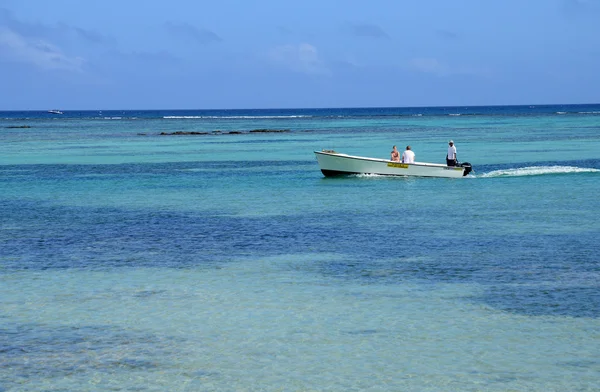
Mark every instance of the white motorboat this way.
pixel 53 111
pixel 334 164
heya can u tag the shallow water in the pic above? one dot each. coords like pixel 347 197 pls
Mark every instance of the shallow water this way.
pixel 228 262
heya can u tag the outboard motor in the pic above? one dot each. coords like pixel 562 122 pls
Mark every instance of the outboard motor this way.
pixel 468 168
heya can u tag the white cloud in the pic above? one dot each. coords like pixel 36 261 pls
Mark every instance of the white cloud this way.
pixel 37 52
pixel 300 58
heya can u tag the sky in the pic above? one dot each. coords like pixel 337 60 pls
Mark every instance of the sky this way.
pixel 198 54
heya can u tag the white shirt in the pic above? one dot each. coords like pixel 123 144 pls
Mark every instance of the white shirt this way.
pixel 408 156
pixel 452 152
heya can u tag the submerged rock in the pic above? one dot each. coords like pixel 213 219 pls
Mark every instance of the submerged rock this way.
pixel 269 130
pixel 220 132
pixel 184 133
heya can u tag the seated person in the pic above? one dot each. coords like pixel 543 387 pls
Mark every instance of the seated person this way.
pixel 395 155
pixel 408 156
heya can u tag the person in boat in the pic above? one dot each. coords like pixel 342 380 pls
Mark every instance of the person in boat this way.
pixel 408 156
pixel 451 156
pixel 395 155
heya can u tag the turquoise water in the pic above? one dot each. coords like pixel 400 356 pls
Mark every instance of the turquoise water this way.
pixel 135 261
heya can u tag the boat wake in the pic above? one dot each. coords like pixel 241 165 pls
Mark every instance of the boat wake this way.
pixel 368 175
pixel 537 171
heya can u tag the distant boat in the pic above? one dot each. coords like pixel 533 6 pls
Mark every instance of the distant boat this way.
pixel 55 111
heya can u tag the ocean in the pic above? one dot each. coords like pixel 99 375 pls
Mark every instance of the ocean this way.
pixel 133 258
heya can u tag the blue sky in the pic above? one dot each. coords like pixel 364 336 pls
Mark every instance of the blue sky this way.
pixel 73 54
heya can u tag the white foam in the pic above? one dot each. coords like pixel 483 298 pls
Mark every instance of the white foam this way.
pixel 231 117
pixel 561 112
pixel 589 112
pixel 379 176
pixel 539 170
pixel 454 114
pixel 368 175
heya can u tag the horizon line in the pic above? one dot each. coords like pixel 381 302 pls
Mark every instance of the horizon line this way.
pixel 310 108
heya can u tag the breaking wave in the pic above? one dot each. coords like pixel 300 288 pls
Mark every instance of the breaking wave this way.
pixel 538 170
pixel 232 117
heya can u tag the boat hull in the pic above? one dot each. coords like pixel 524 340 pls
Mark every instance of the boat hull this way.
pixel 336 164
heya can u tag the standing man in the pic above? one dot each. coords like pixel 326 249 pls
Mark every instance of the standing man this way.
pixel 408 156
pixel 451 156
